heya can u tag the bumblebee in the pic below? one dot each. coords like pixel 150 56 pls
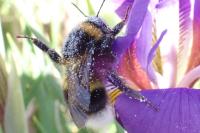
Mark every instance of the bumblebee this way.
pixel 88 58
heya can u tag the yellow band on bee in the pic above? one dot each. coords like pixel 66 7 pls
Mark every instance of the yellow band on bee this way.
pixel 113 95
pixel 91 30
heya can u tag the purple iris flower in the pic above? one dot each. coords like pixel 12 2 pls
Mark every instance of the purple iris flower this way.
pixel 160 56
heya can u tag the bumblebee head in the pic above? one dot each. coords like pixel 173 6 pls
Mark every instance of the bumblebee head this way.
pixel 95 20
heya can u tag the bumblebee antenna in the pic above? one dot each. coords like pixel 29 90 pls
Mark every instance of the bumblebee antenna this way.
pixel 100 8
pixel 79 10
pixel 27 37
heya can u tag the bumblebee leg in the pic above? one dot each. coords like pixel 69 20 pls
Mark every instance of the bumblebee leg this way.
pixel 121 24
pixel 51 52
pixel 116 81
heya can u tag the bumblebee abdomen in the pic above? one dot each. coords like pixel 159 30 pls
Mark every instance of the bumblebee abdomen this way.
pixel 98 100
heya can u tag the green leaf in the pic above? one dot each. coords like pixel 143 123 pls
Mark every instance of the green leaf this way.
pixel 2 46
pixel 90 8
pixel 45 103
pixel 39 125
pixel 119 128
pixel 55 30
pixel 36 33
pixel 48 95
pixel 15 120
pixel 85 130
pixel 60 124
pixel 3 88
pixel 1 130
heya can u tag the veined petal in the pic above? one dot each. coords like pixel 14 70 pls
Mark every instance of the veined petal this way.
pixel 130 69
pixel 135 20
pixel 136 17
pixel 165 3
pixel 120 45
pixel 195 56
pixel 157 61
pixel 151 55
pixel 185 37
pixel 143 45
pixel 124 4
pixel 178 111
pixel 167 17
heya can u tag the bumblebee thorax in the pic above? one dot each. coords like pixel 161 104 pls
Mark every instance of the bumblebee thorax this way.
pixel 99 23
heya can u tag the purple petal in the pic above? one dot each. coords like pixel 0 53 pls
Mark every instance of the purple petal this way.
pixel 151 55
pixel 194 57
pixel 185 36
pixel 143 46
pixel 178 111
pixel 164 3
pixel 144 41
pixel 121 11
pixel 190 78
pixel 169 44
pixel 120 45
pixel 136 17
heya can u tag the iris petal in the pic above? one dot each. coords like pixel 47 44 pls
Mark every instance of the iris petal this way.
pixel 178 111
pixel 151 55
pixel 124 5
pixel 195 56
pixel 169 44
pixel 136 17
pixel 185 36
pixel 144 43
pixel 130 69
pixel 190 77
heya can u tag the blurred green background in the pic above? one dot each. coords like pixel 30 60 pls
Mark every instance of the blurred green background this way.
pixel 31 98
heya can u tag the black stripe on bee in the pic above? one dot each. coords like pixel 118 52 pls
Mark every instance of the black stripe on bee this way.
pixel 76 44
pixel 98 100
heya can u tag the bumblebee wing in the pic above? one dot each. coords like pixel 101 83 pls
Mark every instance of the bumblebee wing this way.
pixel 83 98
pixel 81 82
pixel 79 102
pixel 78 89
pixel 78 115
